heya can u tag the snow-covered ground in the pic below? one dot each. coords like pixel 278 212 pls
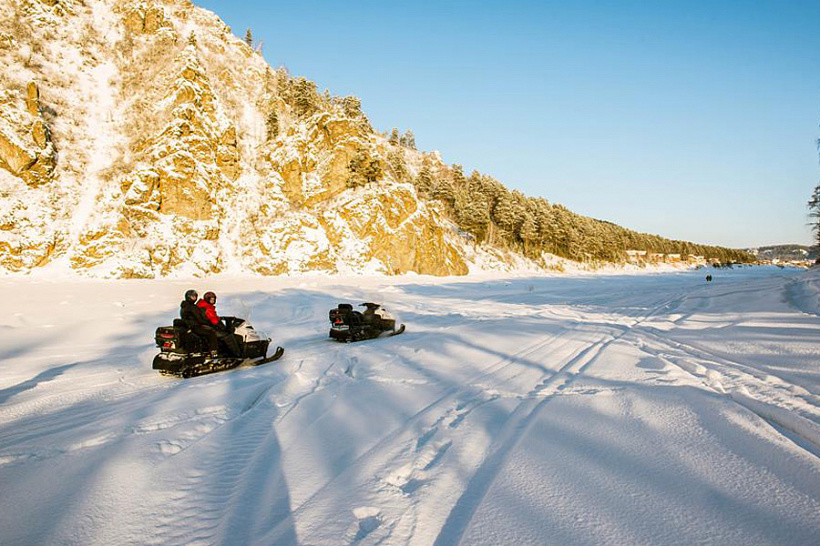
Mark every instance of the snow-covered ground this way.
pixel 620 409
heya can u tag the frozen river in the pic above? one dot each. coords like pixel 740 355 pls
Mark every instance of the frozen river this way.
pixel 627 409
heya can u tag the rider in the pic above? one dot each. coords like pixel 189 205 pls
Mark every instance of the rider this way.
pixel 195 319
pixel 208 306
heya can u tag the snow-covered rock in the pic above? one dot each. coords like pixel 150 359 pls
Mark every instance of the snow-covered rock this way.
pixel 182 152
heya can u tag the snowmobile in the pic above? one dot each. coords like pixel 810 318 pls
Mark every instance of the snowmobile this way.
pixel 186 354
pixel 347 325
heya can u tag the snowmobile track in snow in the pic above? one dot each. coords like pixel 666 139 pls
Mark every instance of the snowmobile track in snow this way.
pixel 372 462
pixel 739 382
pixel 218 474
pixel 514 429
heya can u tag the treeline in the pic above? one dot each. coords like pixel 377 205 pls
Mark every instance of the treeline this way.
pixel 489 212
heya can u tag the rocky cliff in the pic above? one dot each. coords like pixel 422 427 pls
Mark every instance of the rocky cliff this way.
pixel 142 138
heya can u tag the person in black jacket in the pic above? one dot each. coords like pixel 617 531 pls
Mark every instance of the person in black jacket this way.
pixel 194 318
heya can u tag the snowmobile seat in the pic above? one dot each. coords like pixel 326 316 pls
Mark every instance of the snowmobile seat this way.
pixel 194 343
pixel 355 318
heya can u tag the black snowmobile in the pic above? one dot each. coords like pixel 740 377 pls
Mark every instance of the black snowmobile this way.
pixel 346 324
pixel 186 354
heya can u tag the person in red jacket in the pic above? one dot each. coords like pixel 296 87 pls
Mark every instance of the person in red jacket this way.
pixel 208 306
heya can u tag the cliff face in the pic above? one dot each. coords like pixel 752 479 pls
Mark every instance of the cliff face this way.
pixel 142 139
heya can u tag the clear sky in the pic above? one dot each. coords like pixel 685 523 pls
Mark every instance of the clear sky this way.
pixel 693 120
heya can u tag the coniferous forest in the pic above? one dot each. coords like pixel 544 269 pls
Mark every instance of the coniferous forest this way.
pixel 483 207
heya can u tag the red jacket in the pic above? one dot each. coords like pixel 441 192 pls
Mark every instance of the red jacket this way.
pixel 210 311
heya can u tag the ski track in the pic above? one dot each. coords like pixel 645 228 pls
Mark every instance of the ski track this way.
pixel 447 399
pixel 774 400
pixel 203 512
pixel 516 427
pixel 221 471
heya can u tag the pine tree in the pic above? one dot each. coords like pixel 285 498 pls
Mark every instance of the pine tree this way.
pixel 519 209
pixel 814 213
pixel 503 213
pixel 562 238
pixel 528 231
pixel 410 139
pixel 445 192
pixel 397 165
pixel 541 213
pixel 459 181
pixel 282 80
pixel 352 106
pixel 305 97
pixel 473 215
pixel 373 172
pixel 394 137
pixel 273 125
pixel 249 38
pixel 356 168
pixel 814 209
pixel 424 180
pixel 270 81
pixel 363 170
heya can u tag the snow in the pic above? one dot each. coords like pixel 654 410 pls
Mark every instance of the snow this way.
pixel 581 408
pixel 105 144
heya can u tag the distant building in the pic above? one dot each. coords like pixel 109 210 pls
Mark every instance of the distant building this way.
pixel 635 255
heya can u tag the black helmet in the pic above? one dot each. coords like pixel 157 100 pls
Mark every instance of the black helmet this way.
pixel 191 296
pixel 208 296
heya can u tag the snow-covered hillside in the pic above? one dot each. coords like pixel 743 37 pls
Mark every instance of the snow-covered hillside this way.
pixel 141 138
pixel 647 409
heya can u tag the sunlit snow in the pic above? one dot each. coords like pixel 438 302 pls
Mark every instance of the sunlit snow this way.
pixel 577 409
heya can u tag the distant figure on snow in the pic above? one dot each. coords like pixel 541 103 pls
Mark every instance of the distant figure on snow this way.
pixel 708 278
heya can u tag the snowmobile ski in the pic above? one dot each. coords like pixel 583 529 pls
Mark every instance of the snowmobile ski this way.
pixel 397 332
pixel 275 356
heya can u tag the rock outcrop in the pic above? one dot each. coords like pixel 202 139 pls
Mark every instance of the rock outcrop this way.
pixel 26 150
pixel 146 19
pixel 183 153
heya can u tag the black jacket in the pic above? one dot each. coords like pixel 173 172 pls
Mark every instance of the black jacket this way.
pixel 192 315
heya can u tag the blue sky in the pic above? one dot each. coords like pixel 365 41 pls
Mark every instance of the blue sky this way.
pixel 692 120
